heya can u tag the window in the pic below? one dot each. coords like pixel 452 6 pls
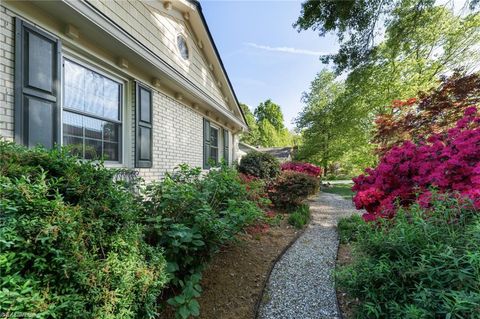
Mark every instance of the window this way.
pixel 214 144
pixel 182 46
pixel 210 144
pixel 91 113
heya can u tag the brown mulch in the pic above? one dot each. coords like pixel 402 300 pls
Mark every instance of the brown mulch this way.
pixel 233 281
pixel 345 303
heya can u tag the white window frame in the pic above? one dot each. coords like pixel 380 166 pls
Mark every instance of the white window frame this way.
pixel 95 67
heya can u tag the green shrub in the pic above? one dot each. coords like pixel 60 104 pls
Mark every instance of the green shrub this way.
pixel 300 217
pixel 291 188
pixel 418 264
pixel 349 227
pixel 71 240
pixel 262 165
pixel 190 218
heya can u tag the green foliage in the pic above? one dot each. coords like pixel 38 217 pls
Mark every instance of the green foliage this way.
pixel 349 227
pixel 267 127
pixel 359 25
pixel 71 240
pixel 420 43
pixel 258 164
pixel 291 188
pixel 420 264
pixel 190 217
pixel 328 135
pixel 300 217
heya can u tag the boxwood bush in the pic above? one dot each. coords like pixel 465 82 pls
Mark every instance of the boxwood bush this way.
pixel 258 164
pixel 423 263
pixel 71 240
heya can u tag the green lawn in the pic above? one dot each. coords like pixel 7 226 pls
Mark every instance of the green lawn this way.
pixel 343 190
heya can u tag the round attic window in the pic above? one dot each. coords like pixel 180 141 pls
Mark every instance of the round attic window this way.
pixel 182 46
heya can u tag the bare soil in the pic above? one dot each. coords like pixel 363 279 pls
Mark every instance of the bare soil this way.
pixel 233 281
pixel 345 303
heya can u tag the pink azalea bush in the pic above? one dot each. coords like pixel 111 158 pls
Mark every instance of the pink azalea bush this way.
pixel 300 167
pixel 448 163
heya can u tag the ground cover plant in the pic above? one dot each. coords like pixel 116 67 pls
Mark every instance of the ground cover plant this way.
pixel 71 240
pixel 422 263
pixel 300 217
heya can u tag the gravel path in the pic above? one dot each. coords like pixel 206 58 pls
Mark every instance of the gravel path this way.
pixel 301 284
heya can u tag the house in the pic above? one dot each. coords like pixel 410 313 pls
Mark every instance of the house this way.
pixel 138 83
pixel 244 149
pixel 283 154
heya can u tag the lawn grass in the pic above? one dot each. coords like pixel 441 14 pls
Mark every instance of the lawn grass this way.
pixel 344 190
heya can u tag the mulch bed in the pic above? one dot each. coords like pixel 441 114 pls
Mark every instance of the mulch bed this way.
pixel 233 282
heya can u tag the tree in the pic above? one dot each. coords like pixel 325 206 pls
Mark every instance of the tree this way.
pixel 252 137
pixel 433 112
pixel 270 112
pixel 359 24
pixel 442 42
pixel 267 127
pixel 330 126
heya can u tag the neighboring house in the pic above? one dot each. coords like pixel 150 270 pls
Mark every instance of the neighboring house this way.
pixel 139 83
pixel 244 149
pixel 283 154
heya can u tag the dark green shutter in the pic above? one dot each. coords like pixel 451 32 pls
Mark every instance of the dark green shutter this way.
pixel 206 143
pixel 226 146
pixel 143 127
pixel 37 86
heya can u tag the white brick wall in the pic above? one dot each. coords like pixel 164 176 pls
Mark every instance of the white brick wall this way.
pixel 177 137
pixel 6 73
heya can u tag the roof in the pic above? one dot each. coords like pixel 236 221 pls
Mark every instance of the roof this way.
pixel 278 152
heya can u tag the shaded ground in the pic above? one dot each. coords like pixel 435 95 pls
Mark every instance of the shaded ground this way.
pixel 302 284
pixel 233 281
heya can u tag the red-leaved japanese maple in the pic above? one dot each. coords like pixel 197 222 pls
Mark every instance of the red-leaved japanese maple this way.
pixel 432 112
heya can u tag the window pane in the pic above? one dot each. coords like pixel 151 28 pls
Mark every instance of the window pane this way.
pixel 110 151
pixel 214 154
pixel 111 132
pixel 74 89
pixel 72 124
pixel 145 97
pixel 111 99
pixel 93 128
pixel 74 145
pixel 93 93
pixel 93 149
pixel 214 137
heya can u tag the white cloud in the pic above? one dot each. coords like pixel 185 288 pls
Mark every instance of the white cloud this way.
pixel 285 49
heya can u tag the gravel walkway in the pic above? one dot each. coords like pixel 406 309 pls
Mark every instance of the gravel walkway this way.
pixel 301 284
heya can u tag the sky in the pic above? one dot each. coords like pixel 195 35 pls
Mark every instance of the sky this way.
pixel 264 56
